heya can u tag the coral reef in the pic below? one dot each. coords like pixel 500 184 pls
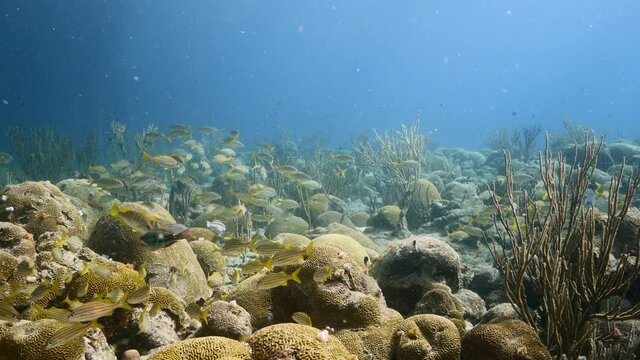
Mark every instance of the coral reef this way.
pixel 294 341
pixel 503 338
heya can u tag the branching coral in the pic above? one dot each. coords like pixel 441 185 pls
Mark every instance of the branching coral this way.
pixel 565 254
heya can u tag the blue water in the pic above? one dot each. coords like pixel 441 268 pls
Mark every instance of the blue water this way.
pixel 334 67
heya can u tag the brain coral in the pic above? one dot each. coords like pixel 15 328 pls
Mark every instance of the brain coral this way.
pixel 502 339
pixel 27 340
pixel 348 298
pixel 257 302
pixel 295 341
pixel 427 337
pixel 102 278
pixel 40 207
pixel 203 348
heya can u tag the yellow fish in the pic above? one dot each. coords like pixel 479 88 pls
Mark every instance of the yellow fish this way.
pixel 281 278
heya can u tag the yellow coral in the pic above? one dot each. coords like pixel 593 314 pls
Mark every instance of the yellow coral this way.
pixel 296 341
pixel 41 207
pixel 27 340
pixel 102 278
pixel 502 339
pixel 344 243
pixel 203 348
pixel 427 337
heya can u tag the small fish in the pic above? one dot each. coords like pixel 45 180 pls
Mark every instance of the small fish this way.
pixel 51 313
pixel 227 152
pixel 8 313
pixel 266 247
pixel 473 231
pixel 235 246
pixel 208 196
pixel 265 192
pixel 197 313
pixel 521 178
pixel 301 318
pixel 158 239
pixel 209 130
pixel 253 266
pixel 97 169
pixel 115 295
pixel 139 295
pixel 342 158
pixel 222 159
pixel 286 170
pixel 291 255
pixel 299 176
pixel 68 333
pixel 109 183
pixel 323 274
pixel 285 204
pixel 163 161
pixel 281 278
pixel 458 235
pixel 144 182
pixel 39 292
pixel 406 165
pixel 120 165
pixel 137 220
pixel 92 310
pixel 310 185
pixel 216 226
pixel 5 158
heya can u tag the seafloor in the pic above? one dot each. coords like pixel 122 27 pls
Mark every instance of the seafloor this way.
pixel 192 244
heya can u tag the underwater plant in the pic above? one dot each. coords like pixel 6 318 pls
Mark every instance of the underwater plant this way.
pixel 118 130
pixel 519 141
pixel 88 152
pixel 395 161
pixel 563 254
pixel 43 153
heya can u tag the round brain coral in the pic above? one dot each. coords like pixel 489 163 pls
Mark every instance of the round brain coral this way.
pixel 27 340
pixel 344 243
pixel 101 278
pixel 203 348
pixel 347 298
pixel 40 207
pixel 426 337
pixel 295 341
pixel 503 339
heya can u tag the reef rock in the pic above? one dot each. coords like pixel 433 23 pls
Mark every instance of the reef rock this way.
pixel 408 266
pixel 290 224
pixel 226 319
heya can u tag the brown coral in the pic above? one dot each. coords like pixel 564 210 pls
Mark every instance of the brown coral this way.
pixel 502 339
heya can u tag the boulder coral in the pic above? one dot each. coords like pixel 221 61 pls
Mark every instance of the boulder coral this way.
pixel 295 341
pixel 40 207
pixel 27 340
pixel 203 348
pixel 426 337
pixel 502 339
pixel 346 298
pixel 408 266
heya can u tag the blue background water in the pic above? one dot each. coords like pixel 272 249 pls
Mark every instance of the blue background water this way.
pixel 336 67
